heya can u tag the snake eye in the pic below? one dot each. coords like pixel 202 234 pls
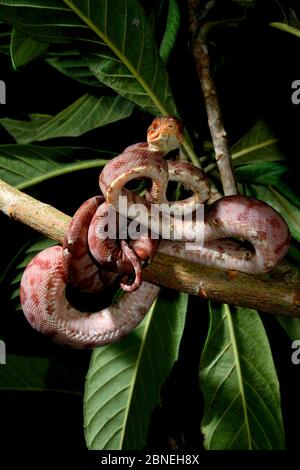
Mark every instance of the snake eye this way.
pixel 153 126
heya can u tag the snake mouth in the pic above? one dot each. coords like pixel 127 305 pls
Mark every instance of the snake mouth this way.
pixel 164 143
pixel 165 134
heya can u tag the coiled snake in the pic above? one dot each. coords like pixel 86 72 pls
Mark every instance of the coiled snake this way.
pixel 87 261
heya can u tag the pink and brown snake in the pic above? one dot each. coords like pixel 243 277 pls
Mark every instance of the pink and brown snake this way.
pixel 88 263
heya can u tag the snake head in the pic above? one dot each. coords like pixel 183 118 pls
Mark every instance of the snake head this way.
pixel 165 134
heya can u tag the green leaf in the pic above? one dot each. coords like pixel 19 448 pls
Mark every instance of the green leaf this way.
pixel 120 49
pixel 49 22
pixel 87 113
pixel 5 35
pixel 41 374
pixel 286 28
pixel 172 28
pixel 24 49
pixel 257 145
pixel 239 383
pixel 24 166
pixel 291 326
pixel 124 380
pixel 261 172
pixel 130 64
pixel 286 191
pixel 72 64
pixel 289 211
pixel 125 55
pixel 24 373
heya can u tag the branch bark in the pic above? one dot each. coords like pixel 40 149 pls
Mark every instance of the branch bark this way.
pixel 277 292
pixel 214 115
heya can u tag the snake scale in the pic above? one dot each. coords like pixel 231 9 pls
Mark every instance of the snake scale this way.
pixel 89 262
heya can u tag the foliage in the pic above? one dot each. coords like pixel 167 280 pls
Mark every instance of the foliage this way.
pixel 106 69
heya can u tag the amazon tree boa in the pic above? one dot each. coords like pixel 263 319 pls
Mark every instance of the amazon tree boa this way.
pixel 87 261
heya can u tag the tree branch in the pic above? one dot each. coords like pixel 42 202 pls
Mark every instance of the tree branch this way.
pixel 277 292
pixel 215 123
pixel 39 216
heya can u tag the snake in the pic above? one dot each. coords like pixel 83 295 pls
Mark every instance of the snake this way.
pixel 241 233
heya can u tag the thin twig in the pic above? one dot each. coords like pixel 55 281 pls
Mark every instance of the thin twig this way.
pixel 277 292
pixel 215 122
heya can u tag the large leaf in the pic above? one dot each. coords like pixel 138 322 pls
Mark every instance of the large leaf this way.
pixel 287 28
pixel 5 35
pixel 124 380
pixel 72 64
pixel 130 64
pixel 24 166
pixel 286 191
pixel 126 56
pixel 85 114
pixel 172 28
pixel 289 211
pixel 239 383
pixel 261 172
pixel 120 49
pixel 49 22
pixel 24 49
pixel 257 145
pixel 24 373
pixel 291 326
pixel 58 374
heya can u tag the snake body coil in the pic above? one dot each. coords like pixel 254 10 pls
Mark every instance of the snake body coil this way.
pixel 228 221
